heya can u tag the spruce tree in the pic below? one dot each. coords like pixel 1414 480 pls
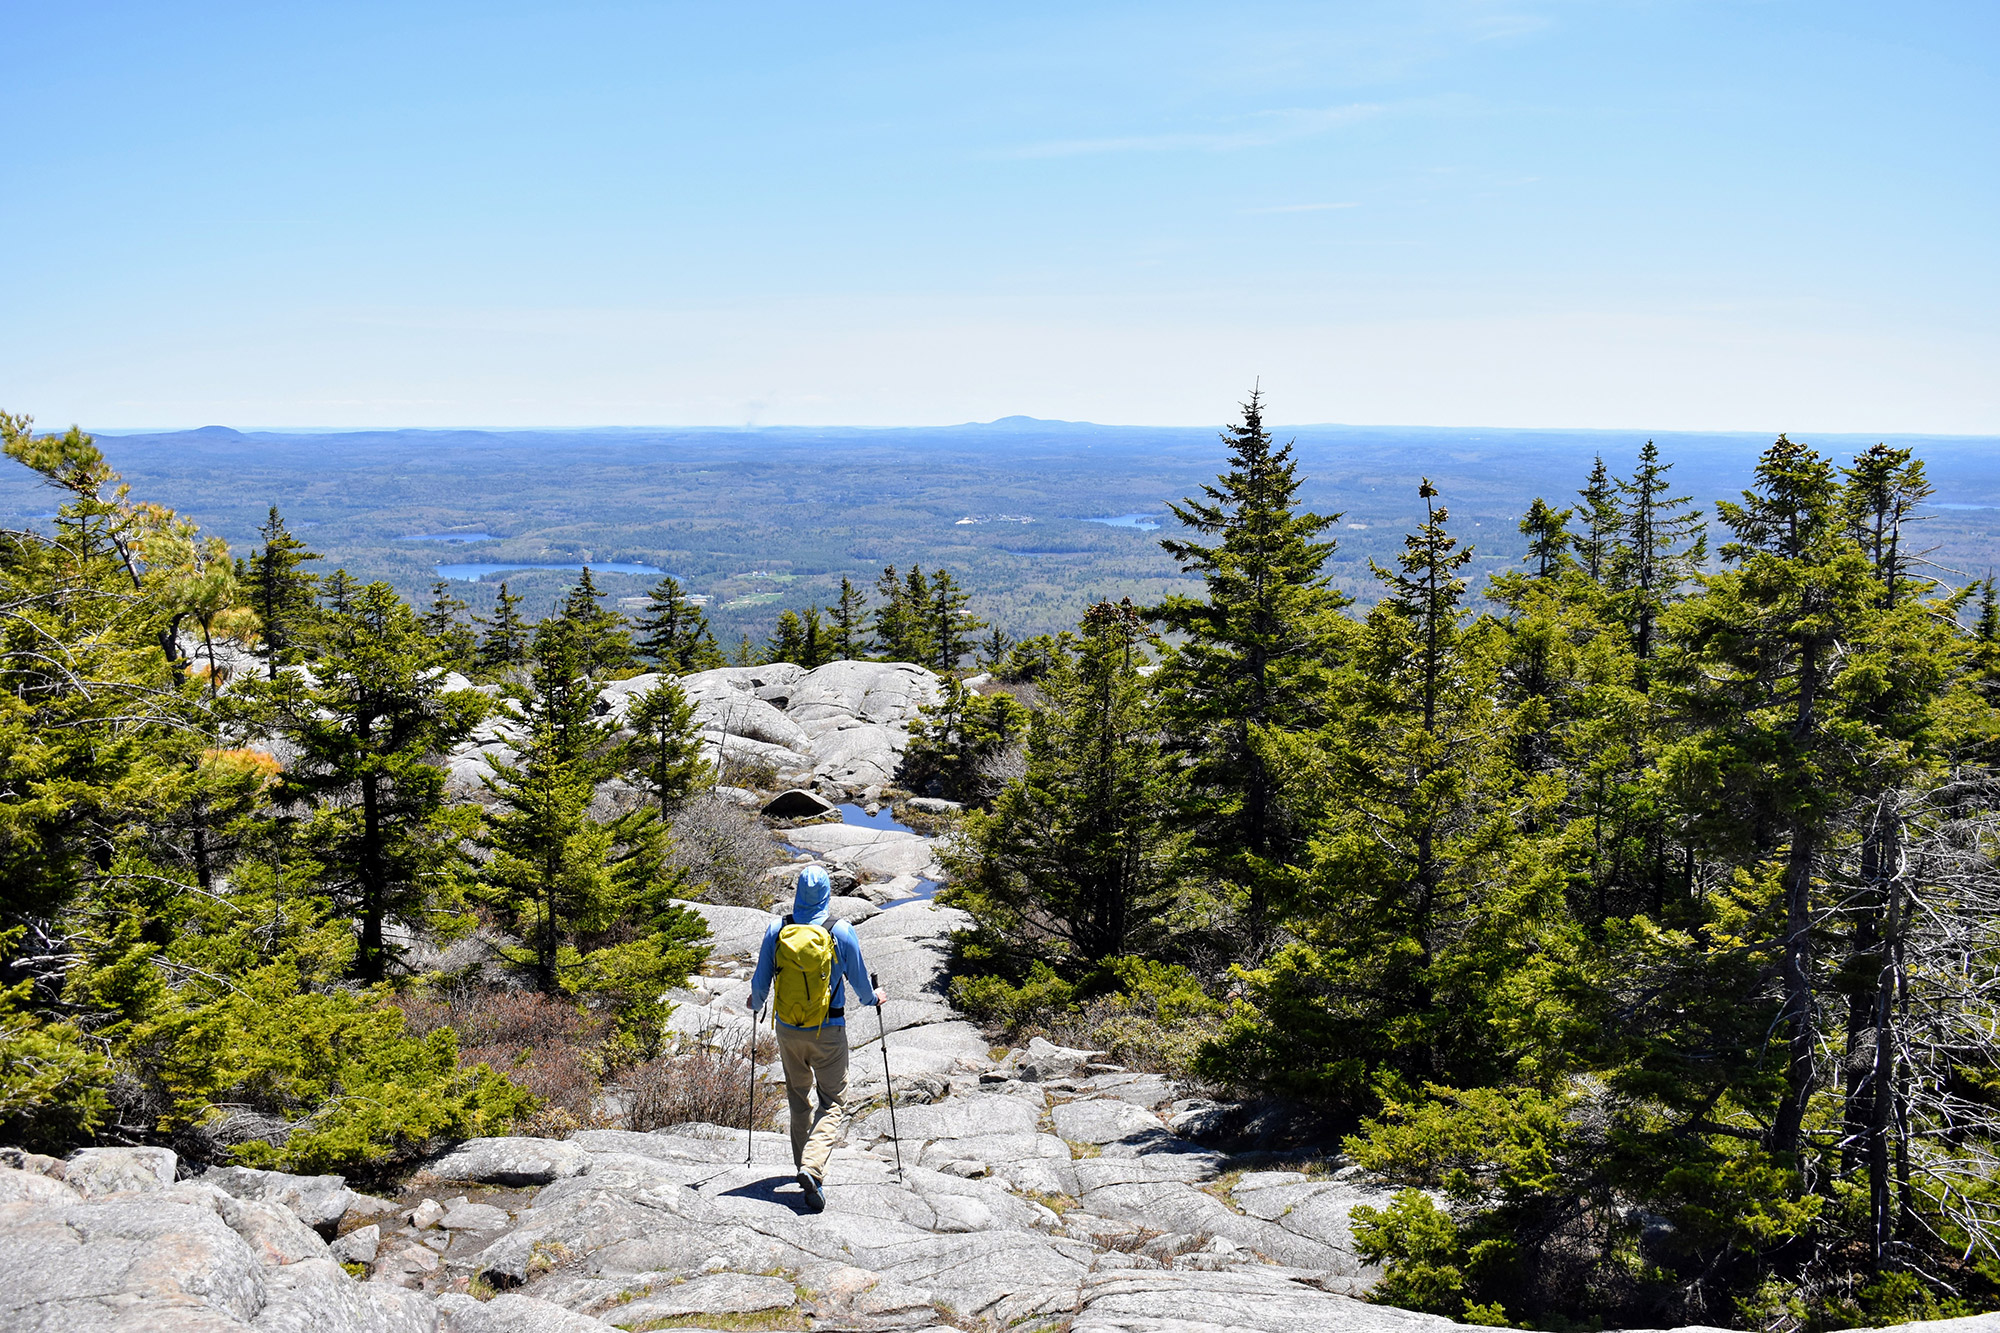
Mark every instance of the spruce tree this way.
pixel 504 644
pixel 1077 862
pixel 592 899
pixel 789 642
pixel 815 638
pixel 456 645
pixel 1757 663
pixel 281 592
pixel 674 633
pixel 664 754
pixel 1547 531
pixel 1249 658
pixel 368 735
pixel 902 630
pixel 993 650
pixel 1660 549
pixel 950 625
pixel 1601 519
pixel 1883 491
pixel 600 633
pixel 847 629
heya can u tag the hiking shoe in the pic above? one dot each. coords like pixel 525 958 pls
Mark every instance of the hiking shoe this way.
pixel 815 1201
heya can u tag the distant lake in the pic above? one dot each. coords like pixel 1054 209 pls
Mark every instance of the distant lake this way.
pixel 1143 522
pixel 472 573
pixel 449 537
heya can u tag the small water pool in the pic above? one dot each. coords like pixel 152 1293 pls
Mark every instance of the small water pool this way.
pixel 885 818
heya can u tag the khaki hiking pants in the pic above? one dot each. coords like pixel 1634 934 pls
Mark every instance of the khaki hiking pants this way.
pixel 815 1055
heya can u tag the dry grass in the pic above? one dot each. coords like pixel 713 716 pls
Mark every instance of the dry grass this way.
pixel 546 1045
pixel 1055 1203
pixel 697 1084
pixel 723 848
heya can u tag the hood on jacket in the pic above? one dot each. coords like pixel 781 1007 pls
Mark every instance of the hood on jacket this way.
pixel 813 897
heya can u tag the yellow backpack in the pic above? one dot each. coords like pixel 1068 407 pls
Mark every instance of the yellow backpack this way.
pixel 804 971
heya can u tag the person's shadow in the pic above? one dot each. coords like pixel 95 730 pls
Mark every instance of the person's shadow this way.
pixel 783 1191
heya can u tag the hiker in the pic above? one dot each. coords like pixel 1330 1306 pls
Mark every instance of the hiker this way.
pixel 813 965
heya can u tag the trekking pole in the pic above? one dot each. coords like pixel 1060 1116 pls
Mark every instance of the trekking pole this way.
pixel 890 1083
pixel 750 1125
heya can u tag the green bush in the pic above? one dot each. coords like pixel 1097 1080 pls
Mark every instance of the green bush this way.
pixel 52 1085
pixel 338 1066
pixel 1041 998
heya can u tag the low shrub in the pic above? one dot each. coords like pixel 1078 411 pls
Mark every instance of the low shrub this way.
pixel 697 1084
pixel 1143 1014
pixel 550 1047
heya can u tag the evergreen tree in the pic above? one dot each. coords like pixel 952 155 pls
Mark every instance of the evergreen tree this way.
pixel 505 642
pixel 456 646
pixel 336 597
pixel 815 638
pixel 600 633
pixel 1075 865
pixel 950 625
pixel 993 651
pixel 746 652
pixel 281 592
pixel 902 629
pixel 674 632
pixel 1602 522
pixel 368 735
pixel 1883 490
pixel 593 900
pixel 1987 629
pixel 1549 539
pixel 849 613
pixel 1660 550
pixel 664 755
pixel 1249 660
pixel 1757 662
pixel 789 642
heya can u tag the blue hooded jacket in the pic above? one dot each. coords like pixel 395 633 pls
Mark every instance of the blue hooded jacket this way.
pixel 811 900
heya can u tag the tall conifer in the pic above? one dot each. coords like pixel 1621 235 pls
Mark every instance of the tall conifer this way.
pixel 1250 659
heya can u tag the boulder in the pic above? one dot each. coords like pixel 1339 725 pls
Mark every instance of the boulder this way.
pixel 510 1313
pixel 33 1187
pixel 86 1266
pixel 509 1161
pixel 1046 1061
pixel 318 1201
pixel 21 1160
pixel 317 1297
pixel 358 1246
pixel 715 1294
pixel 93 1172
pixel 798 803
pixel 474 1217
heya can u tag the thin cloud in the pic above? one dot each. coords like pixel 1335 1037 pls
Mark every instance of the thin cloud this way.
pixel 1278 126
pixel 1300 208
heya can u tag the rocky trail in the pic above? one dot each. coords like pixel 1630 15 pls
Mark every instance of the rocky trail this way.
pixel 1039 1187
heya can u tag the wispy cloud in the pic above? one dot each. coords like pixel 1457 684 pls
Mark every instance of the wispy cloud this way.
pixel 1300 208
pixel 1266 128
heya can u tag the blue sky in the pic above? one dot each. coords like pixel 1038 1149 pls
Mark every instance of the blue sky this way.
pixel 1655 215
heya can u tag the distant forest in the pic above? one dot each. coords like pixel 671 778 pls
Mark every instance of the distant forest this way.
pixel 761 520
